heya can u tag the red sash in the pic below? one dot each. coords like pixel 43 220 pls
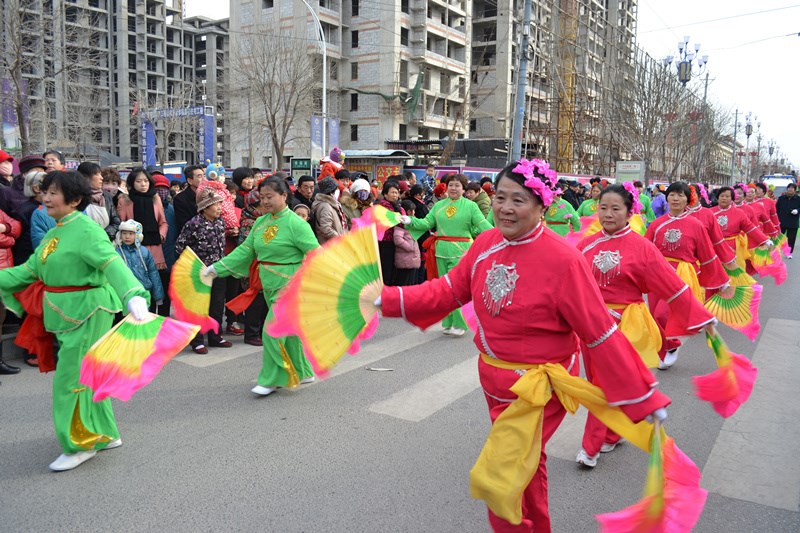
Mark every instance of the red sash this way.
pixel 243 301
pixel 31 335
pixel 429 245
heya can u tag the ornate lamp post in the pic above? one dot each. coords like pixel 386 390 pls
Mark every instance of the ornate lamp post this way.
pixel 686 60
pixel 771 148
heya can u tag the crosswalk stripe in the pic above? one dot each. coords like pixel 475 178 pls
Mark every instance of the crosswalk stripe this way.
pixel 752 458
pixel 426 397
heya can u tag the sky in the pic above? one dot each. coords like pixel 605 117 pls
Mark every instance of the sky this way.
pixel 750 47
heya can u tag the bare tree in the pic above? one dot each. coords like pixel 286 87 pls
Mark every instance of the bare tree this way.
pixel 276 74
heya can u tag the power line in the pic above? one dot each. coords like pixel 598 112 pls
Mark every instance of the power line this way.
pixel 719 19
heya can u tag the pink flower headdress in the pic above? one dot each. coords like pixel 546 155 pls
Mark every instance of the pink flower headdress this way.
pixel 637 205
pixel 539 178
pixel 703 192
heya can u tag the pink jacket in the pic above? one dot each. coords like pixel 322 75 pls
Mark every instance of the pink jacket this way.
pixel 406 250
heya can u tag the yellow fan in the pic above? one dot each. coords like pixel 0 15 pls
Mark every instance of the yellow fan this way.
pixel 329 303
pixel 190 291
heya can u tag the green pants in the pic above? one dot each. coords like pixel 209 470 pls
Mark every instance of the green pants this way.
pixel 282 356
pixel 81 424
pixel 454 319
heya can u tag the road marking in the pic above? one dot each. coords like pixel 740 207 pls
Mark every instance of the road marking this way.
pixel 755 455
pixel 426 397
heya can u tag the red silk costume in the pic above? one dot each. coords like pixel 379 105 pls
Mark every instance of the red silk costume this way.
pixel 770 207
pixel 523 317
pixel 732 222
pixel 762 214
pixel 706 218
pixel 626 266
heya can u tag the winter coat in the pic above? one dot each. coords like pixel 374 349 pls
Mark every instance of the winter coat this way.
pixel 185 203
pixel 484 202
pixel 328 218
pixel 168 246
pixel 784 207
pixel 125 212
pixel 141 262
pixel 406 249
pixel 23 248
pixel 41 223
pixel 8 238
pixel 205 237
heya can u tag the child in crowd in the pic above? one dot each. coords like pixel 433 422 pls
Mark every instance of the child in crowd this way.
pixel 139 259
pixel 205 234
pixel 406 251
pixel 302 211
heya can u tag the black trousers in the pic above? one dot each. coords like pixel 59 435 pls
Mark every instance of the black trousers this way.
pixel 791 236
pixel 165 308
pixel 254 317
pixel 386 250
pixel 215 310
pixel 233 288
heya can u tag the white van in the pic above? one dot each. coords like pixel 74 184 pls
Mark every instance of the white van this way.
pixel 780 183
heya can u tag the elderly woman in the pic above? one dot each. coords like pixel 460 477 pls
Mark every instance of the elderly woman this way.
pixel 529 339
pixel 85 282
pixel 456 221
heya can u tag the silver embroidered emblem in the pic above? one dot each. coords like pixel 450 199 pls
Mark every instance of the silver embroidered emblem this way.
pixel 501 280
pixel 672 239
pixel 723 221
pixel 607 263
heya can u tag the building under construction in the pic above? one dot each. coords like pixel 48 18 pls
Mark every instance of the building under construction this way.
pixel 581 64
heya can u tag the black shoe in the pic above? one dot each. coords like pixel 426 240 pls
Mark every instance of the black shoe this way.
pixel 6 369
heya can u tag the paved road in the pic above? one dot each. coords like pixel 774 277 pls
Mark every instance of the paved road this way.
pixel 387 451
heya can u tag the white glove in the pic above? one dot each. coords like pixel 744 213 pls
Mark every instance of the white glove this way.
pixel 770 244
pixel 659 414
pixel 405 219
pixel 794 211
pixel 378 301
pixel 210 272
pixel 137 306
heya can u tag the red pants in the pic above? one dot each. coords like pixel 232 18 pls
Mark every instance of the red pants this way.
pixel 660 311
pixel 595 433
pixel 496 383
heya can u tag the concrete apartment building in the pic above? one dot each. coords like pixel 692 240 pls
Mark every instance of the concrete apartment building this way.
pixel 395 72
pixel 92 69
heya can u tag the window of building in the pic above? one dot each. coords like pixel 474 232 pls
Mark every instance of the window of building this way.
pixel 354 10
pixel 354 132
pixel 267 4
pixel 473 125
pixel 404 6
pixel 354 71
pixel 404 36
pixel 354 102
pixel 403 133
pixel 354 39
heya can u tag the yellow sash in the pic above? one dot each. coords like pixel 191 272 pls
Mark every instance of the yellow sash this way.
pixel 639 327
pixel 510 457
pixel 689 275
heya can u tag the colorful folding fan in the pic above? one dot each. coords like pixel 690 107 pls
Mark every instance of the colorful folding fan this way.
pixel 131 354
pixel 739 278
pixel 190 291
pixel 329 302
pixel 673 499
pixel 767 264
pixel 730 385
pixel 740 310
pixel 379 216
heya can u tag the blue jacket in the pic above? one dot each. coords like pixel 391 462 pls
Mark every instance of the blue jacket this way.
pixel 41 223
pixel 141 262
pixel 172 235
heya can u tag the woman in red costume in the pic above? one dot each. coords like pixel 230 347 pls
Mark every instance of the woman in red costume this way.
pixel 738 230
pixel 529 337
pixel 683 241
pixel 761 211
pixel 626 266
pixel 706 218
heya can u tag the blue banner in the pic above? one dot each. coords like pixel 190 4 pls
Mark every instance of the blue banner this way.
pixel 148 144
pixel 316 139
pixel 333 134
pixel 207 135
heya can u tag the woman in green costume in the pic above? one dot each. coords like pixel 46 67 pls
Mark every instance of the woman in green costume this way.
pixel 278 240
pixel 456 221
pixel 76 257
pixel 589 207
pixel 560 216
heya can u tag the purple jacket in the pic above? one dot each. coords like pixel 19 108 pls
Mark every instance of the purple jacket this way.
pixel 406 250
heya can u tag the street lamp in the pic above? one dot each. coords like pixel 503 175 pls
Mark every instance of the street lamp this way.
pixel 771 148
pixel 685 60
pixel 324 46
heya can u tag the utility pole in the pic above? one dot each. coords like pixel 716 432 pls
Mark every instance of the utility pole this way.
pixel 698 166
pixel 522 84
pixel 733 151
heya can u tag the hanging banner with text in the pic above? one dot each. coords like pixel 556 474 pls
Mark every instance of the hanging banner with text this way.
pixel 316 139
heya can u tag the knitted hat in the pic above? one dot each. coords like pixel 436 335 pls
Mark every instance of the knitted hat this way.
pixel 29 162
pixel 160 180
pixel 207 197
pixel 337 155
pixel 328 185
pixel 130 225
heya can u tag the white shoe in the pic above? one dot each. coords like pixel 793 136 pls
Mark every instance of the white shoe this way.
pixel 606 447
pixel 263 391
pixel 669 359
pixel 457 332
pixel 68 461
pixel 307 380
pixel 585 460
pixel 116 443
pixel 447 331
pixel 789 256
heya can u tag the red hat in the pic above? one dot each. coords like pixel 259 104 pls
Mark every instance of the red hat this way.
pixel 160 180
pixel 5 157
pixel 440 189
pixel 403 186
